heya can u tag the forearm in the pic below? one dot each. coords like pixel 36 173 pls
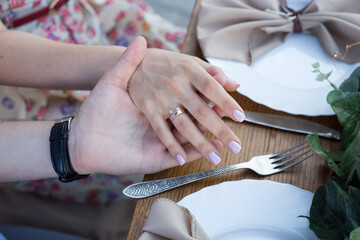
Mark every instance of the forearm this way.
pixel 25 150
pixel 31 61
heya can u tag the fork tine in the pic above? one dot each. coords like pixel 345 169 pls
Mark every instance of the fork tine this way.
pixel 293 164
pixel 288 155
pixel 292 159
pixel 287 150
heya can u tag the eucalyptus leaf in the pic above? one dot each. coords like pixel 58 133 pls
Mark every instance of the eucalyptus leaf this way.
pixel 327 213
pixel 325 226
pixel 348 135
pixel 347 108
pixel 358 172
pixel 336 155
pixel 351 157
pixel 350 85
pixel 315 143
pixel 333 95
pixel 356 73
pixel 355 234
pixel 320 77
pixel 328 75
pixel 316 65
pixel 353 207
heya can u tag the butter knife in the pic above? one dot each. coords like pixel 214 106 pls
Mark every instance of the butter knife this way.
pixel 293 124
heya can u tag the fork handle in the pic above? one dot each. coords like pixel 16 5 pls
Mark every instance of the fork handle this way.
pixel 150 188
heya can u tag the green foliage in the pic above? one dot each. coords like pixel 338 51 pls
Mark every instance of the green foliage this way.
pixel 322 76
pixel 335 210
pixel 355 234
pixel 347 108
pixel 316 146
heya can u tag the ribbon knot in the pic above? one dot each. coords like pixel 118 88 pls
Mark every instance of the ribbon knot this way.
pixel 289 15
pixel 297 24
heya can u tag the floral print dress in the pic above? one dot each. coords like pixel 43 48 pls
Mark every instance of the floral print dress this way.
pixel 93 22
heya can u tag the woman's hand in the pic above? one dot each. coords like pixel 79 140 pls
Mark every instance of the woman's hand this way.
pixel 110 135
pixel 165 81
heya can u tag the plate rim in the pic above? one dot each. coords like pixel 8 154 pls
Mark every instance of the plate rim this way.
pixel 203 191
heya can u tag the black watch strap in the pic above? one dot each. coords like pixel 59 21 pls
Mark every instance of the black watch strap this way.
pixel 59 151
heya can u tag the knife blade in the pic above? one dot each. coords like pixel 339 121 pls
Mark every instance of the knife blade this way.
pixel 293 124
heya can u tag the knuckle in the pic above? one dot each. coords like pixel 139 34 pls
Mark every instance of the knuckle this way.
pixel 213 69
pixel 188 66
pixel 172 147
pixel 223 134
pixel 220 71
pixel 202 112
pixel 203 147
pixel 195 58
pixel 174 85
pixel 160 83
pixel 206 87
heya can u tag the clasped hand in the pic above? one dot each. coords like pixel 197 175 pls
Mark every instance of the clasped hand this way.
pixel 117 134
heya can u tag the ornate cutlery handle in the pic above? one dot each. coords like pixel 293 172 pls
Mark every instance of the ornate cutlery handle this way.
pixel 150 188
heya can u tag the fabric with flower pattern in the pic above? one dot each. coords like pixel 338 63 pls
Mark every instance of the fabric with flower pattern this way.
pixel 80 22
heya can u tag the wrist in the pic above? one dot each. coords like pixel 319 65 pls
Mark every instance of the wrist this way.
pixel 59 151
pixel 74 153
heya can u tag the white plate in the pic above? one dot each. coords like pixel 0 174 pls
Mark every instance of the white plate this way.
pixel 282 79
pixel 252 209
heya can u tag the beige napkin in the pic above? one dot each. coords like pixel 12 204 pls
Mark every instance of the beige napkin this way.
pixel 168 220
pixel 243 30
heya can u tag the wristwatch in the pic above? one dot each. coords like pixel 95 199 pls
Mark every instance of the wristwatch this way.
pixel 59 151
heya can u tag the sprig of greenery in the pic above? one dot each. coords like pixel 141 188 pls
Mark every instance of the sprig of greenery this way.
pixel 322 76
pixel 335 210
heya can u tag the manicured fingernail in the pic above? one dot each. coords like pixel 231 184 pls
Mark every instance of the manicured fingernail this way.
pixel 180 159
pixel 238 115
pixel 214 158
pixel 235 81
pixel 234 146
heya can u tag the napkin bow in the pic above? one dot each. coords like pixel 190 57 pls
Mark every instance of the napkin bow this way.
pixel 243 30
pixel 168 220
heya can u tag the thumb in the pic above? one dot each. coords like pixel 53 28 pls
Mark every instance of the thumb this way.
pixel 124 68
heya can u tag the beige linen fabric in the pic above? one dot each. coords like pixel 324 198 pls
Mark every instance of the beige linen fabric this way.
pixel 168 220
pixel 243 30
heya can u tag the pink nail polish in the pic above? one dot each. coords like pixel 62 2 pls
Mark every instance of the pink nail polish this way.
pixel 180 159
pixel 234 147
pixel 239 116
pixel 235 81
pixel 214 158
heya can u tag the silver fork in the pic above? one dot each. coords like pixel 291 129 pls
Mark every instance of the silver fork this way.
pixel 262 165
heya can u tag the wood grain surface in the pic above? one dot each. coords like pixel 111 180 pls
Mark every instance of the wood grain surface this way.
pixel 256 140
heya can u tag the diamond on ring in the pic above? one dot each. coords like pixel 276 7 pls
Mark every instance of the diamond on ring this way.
pixel 176 112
